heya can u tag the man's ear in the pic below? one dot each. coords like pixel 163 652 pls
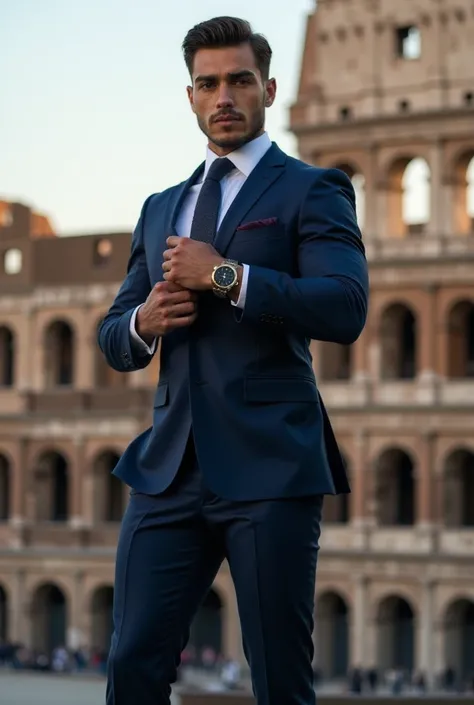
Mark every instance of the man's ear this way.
pixel 270 92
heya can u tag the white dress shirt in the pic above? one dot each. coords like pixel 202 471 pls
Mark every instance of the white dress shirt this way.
pixel 245 160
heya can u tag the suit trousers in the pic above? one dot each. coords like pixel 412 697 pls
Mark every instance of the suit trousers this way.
pixel 170 549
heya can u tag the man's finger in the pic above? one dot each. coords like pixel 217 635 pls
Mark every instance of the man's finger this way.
pixel 172 240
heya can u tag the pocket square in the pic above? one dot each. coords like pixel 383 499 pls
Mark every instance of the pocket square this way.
pixel 258 224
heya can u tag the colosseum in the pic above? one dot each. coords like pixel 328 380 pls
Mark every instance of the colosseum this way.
pixel 386 93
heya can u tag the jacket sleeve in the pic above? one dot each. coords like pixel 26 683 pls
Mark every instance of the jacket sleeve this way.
pixel 114 338
pixel 329 300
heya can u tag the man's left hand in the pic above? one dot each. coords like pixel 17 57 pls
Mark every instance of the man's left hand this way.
pixel 190 263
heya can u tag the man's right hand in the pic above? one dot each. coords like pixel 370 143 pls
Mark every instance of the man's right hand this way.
pixel 167 307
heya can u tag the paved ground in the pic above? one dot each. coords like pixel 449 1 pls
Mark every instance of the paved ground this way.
pixel 32 689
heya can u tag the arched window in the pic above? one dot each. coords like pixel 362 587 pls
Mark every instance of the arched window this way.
pixel 52 487
pixel 459 638
pixel 332 636
pixel 7 357
pixel 5 472
pixel 459 489
pixel 395 489
pixel 460 340
pixel 109 503
pixel 59 354
pixel 463 194
pixel 102 618
pixel 398 336
pixel 48 619
pixel 409 197
pixel 396 634
pixel 3 615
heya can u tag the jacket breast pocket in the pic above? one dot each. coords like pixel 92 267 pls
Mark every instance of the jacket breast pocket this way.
pixel 267 390
pixel 161 395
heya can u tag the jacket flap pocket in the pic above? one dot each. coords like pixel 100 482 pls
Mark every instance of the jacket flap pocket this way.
pixel 161 395
pixel 278 389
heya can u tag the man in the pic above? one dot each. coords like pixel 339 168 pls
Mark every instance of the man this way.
pixel 233 272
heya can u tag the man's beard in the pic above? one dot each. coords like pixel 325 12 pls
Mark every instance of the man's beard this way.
pixel 233 141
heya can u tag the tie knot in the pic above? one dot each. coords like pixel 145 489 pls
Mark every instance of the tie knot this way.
pixel 219 168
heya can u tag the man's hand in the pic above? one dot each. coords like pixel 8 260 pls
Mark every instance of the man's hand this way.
pixel 189 263
pixel 167 307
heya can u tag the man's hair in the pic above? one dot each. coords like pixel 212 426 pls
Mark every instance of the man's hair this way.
pixel 227 32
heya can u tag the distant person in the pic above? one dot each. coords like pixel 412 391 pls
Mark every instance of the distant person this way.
pixel 233 272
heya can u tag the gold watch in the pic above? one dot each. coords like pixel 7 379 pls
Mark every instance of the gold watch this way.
pixel 224 278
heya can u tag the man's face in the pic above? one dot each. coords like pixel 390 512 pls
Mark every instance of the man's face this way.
pixel 229 96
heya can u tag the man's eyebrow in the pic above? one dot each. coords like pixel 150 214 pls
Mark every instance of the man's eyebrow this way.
pixel 232 74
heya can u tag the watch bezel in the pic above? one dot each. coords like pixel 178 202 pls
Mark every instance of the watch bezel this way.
pixel 223 290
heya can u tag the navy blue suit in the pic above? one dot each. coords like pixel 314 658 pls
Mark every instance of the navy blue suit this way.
pixel 240 441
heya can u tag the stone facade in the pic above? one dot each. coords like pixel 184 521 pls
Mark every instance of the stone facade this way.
pixel 386 94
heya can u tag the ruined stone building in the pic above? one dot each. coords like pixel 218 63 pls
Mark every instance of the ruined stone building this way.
pixel 386 93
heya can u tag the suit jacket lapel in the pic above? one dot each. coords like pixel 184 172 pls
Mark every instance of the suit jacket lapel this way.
pixel 267 171
pixel 177 202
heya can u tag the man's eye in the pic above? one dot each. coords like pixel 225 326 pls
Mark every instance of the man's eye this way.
pixel 207 85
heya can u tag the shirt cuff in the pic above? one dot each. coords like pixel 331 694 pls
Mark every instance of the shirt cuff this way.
pixel 240 303
pixel 140 344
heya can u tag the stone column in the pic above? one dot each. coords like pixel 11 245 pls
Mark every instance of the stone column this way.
pixel 19 614
pixel 437 201
pixel 425 633
pixel 18 485
pixel 358 647
pixel 76 636
pixel 84 353
pixel 76 473
pixel 360 479
pixel 426 479
pixel 371 224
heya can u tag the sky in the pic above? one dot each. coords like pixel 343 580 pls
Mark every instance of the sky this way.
pixel 93 108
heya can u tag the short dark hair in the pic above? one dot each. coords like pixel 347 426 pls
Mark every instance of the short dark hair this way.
pixel 227 32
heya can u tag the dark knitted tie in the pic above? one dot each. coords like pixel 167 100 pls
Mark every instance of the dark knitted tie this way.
pixel 204 223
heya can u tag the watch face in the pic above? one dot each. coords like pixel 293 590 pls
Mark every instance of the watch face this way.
pixel 224 276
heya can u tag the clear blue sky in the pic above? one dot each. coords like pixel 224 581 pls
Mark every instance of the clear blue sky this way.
pixel 94 114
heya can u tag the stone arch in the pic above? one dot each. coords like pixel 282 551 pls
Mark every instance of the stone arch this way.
pixel 399 342
pixel 460 339
pixel 396 629
pixel 5 487
pixel 109 499
pixel 101 611
pixel 463 192
pixel 51 481
pixel 458 631
pixel 4 626
pixel 49 617
pixel 409 195
pixel 337 508
pixel 207 626
pixel 332 635
pixel 7 356
pixel 60 353
pixel 458 480
pixel 357 177
pixel 104 376
pixel 394 488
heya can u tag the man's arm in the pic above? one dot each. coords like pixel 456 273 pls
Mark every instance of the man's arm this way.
pixel 122 351
pixel 330 299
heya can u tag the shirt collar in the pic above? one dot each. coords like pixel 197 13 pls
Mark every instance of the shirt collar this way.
pixel 246 158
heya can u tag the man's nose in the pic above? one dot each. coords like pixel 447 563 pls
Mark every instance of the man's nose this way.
pixel 224 99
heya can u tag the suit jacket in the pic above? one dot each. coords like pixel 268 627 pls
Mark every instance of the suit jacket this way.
pixel 242 381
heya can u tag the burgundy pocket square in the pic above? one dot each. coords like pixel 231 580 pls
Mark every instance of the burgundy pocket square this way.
pixel 253 224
